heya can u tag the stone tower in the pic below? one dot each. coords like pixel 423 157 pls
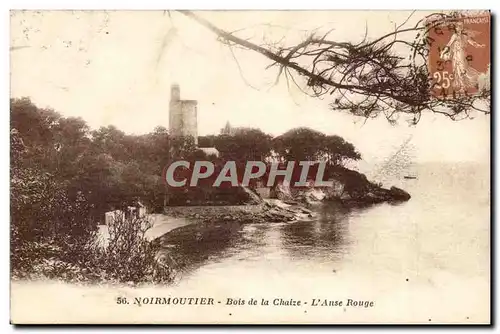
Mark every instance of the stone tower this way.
pixel 183 116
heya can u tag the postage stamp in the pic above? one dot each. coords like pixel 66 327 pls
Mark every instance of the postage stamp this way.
pixel 459 55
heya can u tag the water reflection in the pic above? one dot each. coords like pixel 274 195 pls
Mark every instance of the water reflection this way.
pixel 192 245
pixel 325 238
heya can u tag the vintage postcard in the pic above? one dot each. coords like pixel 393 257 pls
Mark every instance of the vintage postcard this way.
pixel 250 167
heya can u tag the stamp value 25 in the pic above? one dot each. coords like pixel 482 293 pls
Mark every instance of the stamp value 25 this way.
pixel 459 56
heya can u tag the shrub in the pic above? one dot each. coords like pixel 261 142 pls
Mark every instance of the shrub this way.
pixel 128 255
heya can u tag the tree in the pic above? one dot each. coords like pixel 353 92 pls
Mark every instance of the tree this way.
pixel 182 147
pixel 367 78
pixel 37 127
pixel 245 145
pixel 300 144
pixel 206 141
pixel 112 141
pixel 339 151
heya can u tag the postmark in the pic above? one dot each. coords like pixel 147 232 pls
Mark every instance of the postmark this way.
pixel 459 55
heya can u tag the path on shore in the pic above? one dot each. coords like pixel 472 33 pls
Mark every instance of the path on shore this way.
pixel 161 225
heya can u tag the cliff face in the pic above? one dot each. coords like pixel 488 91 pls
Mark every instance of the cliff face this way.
pixel 349 187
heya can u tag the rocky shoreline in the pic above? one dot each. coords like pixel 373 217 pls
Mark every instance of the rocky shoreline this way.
pixel 268 211
pixel 377 196
pixel 287 204
pixel 372 194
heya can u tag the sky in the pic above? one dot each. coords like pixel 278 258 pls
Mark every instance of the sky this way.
pixel 116 68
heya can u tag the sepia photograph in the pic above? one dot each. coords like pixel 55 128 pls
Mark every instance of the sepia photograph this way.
pixel 250 167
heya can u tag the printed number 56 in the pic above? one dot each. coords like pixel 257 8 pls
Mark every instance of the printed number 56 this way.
pixel 442 79
pixel 121 300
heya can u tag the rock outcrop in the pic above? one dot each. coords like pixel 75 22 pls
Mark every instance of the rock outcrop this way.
pixel 349 187
pixel 270 210
pixel 399 194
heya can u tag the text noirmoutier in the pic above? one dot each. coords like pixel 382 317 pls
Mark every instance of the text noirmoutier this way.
pixel 186 301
